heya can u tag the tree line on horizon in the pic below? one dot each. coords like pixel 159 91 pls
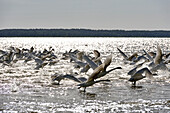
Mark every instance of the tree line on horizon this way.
pixel 81 33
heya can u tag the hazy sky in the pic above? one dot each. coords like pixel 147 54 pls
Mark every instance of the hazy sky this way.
pixel 92 14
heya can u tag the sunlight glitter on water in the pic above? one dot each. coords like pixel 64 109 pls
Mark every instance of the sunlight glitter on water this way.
pixel 24 89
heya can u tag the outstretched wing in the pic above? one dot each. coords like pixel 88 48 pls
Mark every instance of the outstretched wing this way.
pixel 122 53
pixel 72 77
pixel 107 62
pixel 150 58
pixel 90 62
pixel 158 57
pixel 96 72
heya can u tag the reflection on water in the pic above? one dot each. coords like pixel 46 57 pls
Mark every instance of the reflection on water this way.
pixel 24 89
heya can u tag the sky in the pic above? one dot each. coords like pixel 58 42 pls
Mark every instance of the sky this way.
pixel 88 14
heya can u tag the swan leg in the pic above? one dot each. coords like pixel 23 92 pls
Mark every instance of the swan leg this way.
pixel 134 83
pixel 84 89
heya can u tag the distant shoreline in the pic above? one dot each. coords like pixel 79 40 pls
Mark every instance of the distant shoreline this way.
pixel 81 33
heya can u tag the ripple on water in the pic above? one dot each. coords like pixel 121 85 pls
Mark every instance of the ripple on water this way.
pixel 24 89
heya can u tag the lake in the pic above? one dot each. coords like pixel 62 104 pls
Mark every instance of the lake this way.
pixel 25 89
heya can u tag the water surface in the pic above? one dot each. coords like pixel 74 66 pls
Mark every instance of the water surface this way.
pixel 24 89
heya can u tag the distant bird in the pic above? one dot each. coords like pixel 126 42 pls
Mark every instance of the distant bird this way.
pixel 29 58
pixel 31 49
pixel 148 55
pixel 9 57
pixel 158 61
pixel 96 54
pixel 139 75
pixel 77 59
pixel 80 55
pixel 130 58
pixel 53 62
pixel 97 57
pixel 3 52
pixel 93 62
pixel 67 54
pixel 41 65
pixel 18 53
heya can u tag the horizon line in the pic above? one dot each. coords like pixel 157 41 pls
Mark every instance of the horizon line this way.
pixel 89 29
